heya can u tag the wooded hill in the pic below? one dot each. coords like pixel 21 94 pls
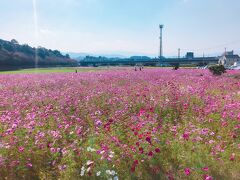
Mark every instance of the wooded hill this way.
pixel 16 56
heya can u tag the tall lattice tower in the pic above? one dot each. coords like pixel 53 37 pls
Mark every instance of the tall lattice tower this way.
pixel 161 38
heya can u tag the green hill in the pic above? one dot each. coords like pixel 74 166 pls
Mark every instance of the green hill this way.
pixel 16 56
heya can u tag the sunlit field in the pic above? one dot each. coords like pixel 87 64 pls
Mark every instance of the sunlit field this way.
pixel 120 124
pixel 54 70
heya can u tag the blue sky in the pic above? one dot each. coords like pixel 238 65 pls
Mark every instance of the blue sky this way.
pixel 124 26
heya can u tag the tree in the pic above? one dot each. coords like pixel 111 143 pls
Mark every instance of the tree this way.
pixel 57 53
pixel 9 47
pixel 217 69
pixel 67 56
pixel 14 41
pixel 27 49
pixel 42 53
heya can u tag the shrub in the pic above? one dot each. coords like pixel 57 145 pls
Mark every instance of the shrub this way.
pixel 217 69
pixel 175 66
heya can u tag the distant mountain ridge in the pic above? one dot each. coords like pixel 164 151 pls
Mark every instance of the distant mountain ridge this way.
pixel 81 56
pixel 14 56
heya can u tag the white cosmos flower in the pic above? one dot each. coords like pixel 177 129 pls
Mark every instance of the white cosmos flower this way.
pixel 82 171
pixel 98 173
pixel 89 162
pixel 88 169
pixel 110 172
pixel 89 149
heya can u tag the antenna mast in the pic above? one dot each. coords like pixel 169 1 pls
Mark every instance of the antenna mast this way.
pixel 161 38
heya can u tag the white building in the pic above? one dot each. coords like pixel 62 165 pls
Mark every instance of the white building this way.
pixel 236 63
pixel 229 59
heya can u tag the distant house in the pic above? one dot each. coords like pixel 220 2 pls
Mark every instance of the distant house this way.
pixel 229 59
pixel 189 55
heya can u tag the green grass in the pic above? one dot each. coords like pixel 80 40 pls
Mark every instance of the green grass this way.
pixel 52 70
pixel 68 69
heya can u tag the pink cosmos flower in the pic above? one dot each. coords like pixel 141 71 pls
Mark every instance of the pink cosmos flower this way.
pixel 21 149
pixel 186 135
pixel 78 131
pixel 224 124
pixel 157 150
pixel 29 165
pixel 204 131
pixel 141 112
pixel 150 153
pixel 187 171
pixel 98 122
pixel 207 177
pixel 148 139
pixel 135 162
pixel 53 150
pixel 141 150
pixel 205 169
pixel 232 157
pixel 62 167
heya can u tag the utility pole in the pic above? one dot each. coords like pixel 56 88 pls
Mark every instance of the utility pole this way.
pixel 161 38
pixel 179 53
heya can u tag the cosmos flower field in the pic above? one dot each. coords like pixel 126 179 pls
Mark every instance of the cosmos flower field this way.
pixel 120 124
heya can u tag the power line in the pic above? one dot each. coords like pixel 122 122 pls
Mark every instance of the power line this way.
pixel 213 47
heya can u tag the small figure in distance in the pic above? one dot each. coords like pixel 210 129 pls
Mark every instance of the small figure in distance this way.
pixel 140 68
pixel 76 71
pixel 135 68
pixel 176 67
